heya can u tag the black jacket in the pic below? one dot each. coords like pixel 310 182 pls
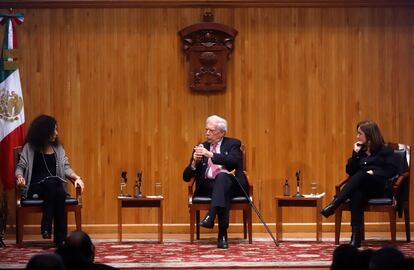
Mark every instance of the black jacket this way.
pixel 383 163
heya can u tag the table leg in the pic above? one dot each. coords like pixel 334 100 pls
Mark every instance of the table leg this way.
pixel 160 223
pixel 120 221
pixel 279 232
pixel 318 220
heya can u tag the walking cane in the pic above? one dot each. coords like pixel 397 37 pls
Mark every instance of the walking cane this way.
pixel 233 173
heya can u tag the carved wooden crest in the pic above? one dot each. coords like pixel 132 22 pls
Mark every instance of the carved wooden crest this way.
pixel 208 47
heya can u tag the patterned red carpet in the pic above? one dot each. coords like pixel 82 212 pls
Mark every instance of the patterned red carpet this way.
pixel 179 254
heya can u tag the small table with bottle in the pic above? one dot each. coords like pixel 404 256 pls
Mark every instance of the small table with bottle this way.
pixel 139 200
pixel 298 200
pixel 148 201
pixel 289 201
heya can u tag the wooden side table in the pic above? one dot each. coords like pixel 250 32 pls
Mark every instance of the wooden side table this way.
pixel 284 201
pixel 131 202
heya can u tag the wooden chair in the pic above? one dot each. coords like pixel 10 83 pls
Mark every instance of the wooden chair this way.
pixel 26 206
pixel 396 202
pixel 198 203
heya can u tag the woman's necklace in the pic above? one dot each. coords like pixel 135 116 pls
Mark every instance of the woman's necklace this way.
pixel 47 168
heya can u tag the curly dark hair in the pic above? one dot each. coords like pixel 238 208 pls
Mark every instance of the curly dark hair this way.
pixel 40 131
pixel 373 135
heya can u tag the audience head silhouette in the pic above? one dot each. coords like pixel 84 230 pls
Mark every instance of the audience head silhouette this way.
pixel 344 257
pixel 77 252
pixel 387 258
pixel 45 261
pixel 362 261
pixel 80 241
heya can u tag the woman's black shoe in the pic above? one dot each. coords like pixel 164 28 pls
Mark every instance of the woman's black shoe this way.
pixel 329 210
pixel 46 235
pixel 356 237
pixel 207 222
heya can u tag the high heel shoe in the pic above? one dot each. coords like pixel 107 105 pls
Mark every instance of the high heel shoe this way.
pixel 356 237
pixel 329 210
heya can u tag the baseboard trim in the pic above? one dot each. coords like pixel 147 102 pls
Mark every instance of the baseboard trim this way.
pixel 234 227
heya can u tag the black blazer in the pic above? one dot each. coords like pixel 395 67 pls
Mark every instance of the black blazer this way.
pixel 230 157
pixel 383 163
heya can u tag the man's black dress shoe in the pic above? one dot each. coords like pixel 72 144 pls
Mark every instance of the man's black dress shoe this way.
pixel 46 235
pixel 207 222
pixel 222 242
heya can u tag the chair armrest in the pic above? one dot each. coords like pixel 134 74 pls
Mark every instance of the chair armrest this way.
pixel 249 184
pixel 399 182
pixel 18 194
pixel 338 186
pixel 190 186
pixel 78 190
pixel 401 178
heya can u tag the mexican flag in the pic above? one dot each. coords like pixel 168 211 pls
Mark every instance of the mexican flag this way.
pixel 12 129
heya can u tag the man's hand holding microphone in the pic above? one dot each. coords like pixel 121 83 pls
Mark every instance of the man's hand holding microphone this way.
pixel 199 153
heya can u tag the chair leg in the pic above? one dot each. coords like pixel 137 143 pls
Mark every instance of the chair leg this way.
pixel 244 224
pixel 19 226
pixel 363 228
pixel 78 219
pixel 338 220
pixel 393 224
pixel 407 224
pixel 197 224
pixel 192 223
pixel 249 224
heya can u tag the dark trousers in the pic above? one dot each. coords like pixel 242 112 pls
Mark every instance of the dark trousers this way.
pixel 221 190
pixel 54 195
pixel 361 187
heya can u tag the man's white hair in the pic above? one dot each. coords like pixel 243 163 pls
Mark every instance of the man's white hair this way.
pixel 221 122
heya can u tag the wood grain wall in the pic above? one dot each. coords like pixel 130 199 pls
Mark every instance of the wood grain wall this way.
pixel 299 81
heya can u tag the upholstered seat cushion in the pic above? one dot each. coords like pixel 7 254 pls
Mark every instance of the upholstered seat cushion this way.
pixel 377 201
pixel 32 202
pixel 380 201
pixel 203 199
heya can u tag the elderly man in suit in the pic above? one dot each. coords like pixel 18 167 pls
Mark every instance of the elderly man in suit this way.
pixel 211 163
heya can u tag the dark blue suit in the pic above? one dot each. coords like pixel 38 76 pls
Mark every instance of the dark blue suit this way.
pixel 223 187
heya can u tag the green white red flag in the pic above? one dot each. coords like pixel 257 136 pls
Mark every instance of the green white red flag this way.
pixel 12 128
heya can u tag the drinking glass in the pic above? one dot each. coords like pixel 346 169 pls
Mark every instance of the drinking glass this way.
pixel 313 187
pixel 158 188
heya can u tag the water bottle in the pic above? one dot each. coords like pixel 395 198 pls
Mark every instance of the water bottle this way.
pixel 286 188
pixel 136 189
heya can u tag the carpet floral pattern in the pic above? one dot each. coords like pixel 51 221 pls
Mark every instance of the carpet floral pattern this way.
pixel 179 254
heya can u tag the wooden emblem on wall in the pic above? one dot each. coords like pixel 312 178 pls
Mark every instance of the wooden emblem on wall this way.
pixel 208 47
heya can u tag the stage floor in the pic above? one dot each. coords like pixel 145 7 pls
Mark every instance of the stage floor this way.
pixel 299 250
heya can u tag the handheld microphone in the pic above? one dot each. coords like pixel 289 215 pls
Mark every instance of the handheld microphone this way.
pixel 200 145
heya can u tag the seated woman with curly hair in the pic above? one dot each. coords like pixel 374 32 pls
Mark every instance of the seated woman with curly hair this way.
pixel 41 172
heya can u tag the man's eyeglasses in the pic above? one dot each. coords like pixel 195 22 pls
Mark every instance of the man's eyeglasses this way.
pixel 210 130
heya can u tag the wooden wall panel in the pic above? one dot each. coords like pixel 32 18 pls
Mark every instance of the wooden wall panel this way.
pixel 299 81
